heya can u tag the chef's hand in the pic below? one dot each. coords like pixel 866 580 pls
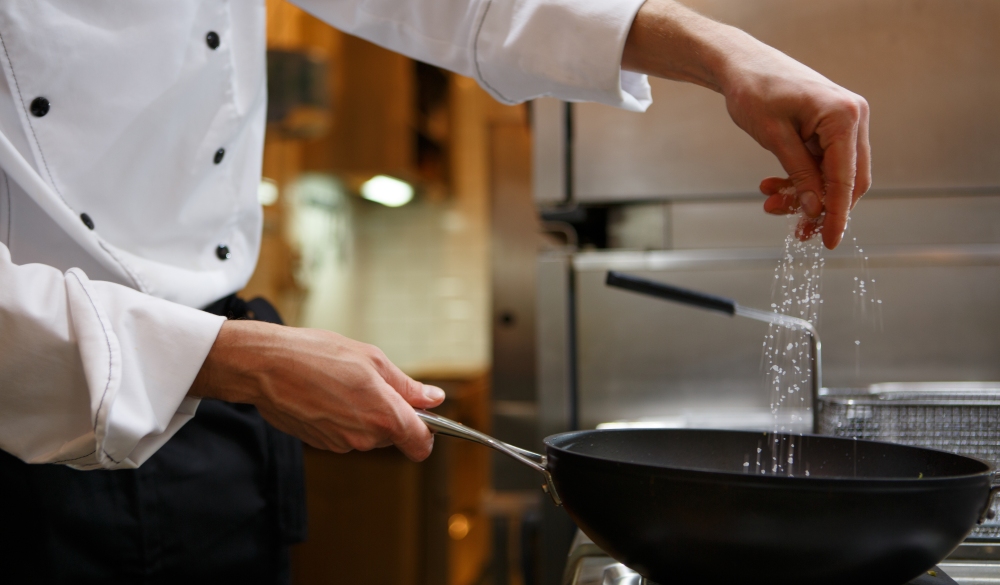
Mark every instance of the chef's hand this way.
pixel 330 391
pixel 817 129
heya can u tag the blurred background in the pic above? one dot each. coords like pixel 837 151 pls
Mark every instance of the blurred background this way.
pixel 469 240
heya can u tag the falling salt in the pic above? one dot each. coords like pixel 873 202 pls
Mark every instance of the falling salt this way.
pixel 867 305
pixel 786 357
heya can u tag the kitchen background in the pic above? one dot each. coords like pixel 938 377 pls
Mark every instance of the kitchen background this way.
pixel 482 268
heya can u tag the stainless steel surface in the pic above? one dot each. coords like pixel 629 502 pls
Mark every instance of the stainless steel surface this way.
pixel 642 359
pixel 604 570
pixel 977 550
pixel 989 511
pixel 815 346
pixel 587 564
pixel 553 315
pixel 548 150
pixel 972 572
pixel 445 426
pixel 932 219
pixel 958 417
pixel 705 301
pixel 555 371
pixel 920 65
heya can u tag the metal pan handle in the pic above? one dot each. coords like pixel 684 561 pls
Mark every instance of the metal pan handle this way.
pixel 988 510
pixel 671 292
pixel 445 426
pixel 730 307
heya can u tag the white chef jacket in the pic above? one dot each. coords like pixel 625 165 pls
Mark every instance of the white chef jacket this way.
pixel 121 200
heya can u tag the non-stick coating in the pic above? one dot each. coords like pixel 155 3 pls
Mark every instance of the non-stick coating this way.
pixel 678 507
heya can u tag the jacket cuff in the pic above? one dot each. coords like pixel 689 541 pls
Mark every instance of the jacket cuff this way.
pixel 568 49
pixel 141 355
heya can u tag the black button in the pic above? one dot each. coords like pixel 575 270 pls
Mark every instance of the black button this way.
pixel 223 252
pixel 39 107
pixel 219 155
pixel 212 39
pixel 87 221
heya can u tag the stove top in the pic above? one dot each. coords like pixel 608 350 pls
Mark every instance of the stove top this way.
pixel 589 565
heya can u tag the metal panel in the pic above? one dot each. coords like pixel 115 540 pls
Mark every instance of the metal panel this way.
pixel 927 67
pixel 642 357
pixel 549 150
pixel 555 380
pixel 874 222
pixel 552 315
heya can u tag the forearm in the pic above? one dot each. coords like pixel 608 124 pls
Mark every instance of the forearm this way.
pixel 673 42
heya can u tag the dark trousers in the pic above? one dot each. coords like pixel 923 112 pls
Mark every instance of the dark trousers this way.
pixel 220 502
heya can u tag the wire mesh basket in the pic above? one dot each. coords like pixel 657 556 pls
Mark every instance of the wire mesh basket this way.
pixel 961 417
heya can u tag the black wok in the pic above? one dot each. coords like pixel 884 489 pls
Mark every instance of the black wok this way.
pixel 681 506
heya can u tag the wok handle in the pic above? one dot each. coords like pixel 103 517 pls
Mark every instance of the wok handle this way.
pixel 988 510
pixel 445 426
pixel 671 292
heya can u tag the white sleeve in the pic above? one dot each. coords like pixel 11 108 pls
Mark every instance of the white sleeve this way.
pixel 93 374
pixel 516 49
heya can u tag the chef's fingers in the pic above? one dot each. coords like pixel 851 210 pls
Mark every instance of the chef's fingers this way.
pixel 840 164
pixel 781 197
pixel 863 181
pixel 782 204
pixel 416 394
pixel 801 166
pixel 411 435
pixel 808 227
pixel 772 185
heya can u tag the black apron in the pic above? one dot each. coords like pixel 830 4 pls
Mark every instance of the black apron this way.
pixel 220 502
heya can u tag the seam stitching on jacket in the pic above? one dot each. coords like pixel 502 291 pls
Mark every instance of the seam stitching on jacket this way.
pixel 475 55
pixel 75 458
pixel 10 210
pixel 107 339
pixel 136 281
pixel 27 114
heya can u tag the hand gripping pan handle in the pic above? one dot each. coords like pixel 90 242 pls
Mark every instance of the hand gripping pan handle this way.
pixel 445 426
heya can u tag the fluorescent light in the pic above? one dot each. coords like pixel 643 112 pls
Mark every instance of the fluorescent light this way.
pixel 387 191
pixel 267 191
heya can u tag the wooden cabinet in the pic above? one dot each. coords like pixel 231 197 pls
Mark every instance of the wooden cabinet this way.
pixel 378 518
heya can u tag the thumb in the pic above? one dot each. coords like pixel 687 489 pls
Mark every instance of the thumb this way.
pixel 803 170
pixel 418 395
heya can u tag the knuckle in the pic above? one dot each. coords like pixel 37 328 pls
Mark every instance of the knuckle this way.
pixel 852 107
pixel 390 425
pixel 362 442
pixel 377 358
pixel 339 449
pixel 419 448
pixel 802 178
pixel 424 450
pixel 772 135
pixel 863 106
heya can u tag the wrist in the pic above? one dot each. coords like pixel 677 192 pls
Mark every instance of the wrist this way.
pixel 671 41
pixel 231 371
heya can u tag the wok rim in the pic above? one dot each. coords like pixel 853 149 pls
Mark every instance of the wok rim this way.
pixel 719 475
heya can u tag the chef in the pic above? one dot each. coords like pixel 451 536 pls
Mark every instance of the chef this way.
pixel 130 146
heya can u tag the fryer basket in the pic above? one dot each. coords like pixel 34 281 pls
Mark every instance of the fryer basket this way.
pixel 960 417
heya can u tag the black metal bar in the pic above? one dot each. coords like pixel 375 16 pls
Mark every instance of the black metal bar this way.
pixel 568 160
pixel 670 292
pixel 574 391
